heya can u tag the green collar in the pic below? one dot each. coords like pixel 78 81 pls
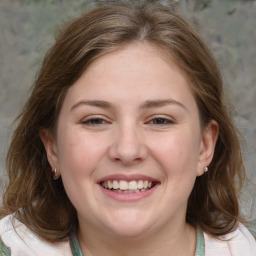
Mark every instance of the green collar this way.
pixel 199 243
pixel 74 244
pixel 76 251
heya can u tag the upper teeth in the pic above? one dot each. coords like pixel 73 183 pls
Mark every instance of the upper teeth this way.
pixel 127 185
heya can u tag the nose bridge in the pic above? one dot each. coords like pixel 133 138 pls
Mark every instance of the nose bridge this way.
pixel 128 146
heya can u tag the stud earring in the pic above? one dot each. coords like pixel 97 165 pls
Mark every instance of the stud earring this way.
pixel 54 174
pixel 205 169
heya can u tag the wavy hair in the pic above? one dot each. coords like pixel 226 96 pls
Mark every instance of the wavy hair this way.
pixel 39 201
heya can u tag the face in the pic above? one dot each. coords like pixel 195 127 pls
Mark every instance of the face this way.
pixel 129 144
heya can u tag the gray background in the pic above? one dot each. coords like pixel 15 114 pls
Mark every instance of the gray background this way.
pixel 27 29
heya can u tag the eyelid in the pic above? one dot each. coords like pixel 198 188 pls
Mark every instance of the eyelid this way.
pixel 169 119
pixel 87 119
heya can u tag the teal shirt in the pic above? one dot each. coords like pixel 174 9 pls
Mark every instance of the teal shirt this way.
pixel 4 250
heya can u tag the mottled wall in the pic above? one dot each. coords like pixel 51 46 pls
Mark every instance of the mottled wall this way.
pixel 27 29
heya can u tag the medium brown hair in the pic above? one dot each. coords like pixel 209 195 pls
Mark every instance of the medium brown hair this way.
pixel 39 201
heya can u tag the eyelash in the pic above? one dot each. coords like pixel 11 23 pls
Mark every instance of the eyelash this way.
pixel 163 121
pixel 97 121
pixel 94 121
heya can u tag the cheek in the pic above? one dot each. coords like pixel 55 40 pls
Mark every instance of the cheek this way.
pixel 78 159
pixel 78 154
pixel 177 153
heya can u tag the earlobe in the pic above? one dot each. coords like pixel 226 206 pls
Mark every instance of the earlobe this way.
pixel 50 147
pixel 207 146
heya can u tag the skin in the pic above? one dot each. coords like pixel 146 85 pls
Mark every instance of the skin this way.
pixel 122 134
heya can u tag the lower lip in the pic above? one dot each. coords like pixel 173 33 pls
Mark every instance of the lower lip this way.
pixel 124 197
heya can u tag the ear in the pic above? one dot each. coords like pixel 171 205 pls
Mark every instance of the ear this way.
pixel 50 147
pixel 207 145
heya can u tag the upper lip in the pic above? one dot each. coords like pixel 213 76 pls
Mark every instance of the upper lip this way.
pixel 127 177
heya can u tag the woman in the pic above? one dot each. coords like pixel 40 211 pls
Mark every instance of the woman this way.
pixel 125 146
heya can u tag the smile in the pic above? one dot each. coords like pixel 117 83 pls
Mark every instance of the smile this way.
pixel 122 186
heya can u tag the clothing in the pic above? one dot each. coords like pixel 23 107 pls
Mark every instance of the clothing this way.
pixel 24 242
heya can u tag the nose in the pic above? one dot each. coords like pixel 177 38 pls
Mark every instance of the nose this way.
pixel 128 146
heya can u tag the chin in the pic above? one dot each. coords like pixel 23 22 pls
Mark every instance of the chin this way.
pixel 130 225
pixel 129 232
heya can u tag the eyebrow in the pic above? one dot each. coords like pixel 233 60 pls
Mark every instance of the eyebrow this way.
pixel 161 103
pixel 147 104
pixel 95 103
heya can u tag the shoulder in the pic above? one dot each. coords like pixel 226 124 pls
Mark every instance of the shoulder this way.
pixel 22 241
pixel 239 242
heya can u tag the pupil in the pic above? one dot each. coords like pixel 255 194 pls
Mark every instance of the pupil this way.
pixel 96 121
pixel 159 121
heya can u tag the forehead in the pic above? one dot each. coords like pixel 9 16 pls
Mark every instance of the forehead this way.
pixel 137 71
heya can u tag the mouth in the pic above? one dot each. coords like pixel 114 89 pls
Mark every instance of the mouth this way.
pixel 124 187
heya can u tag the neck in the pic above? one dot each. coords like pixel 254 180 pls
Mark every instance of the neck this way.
pixel 164 243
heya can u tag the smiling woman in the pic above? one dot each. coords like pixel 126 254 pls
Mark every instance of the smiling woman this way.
pixel 125 145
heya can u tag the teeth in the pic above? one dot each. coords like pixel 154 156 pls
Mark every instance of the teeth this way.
pixel 115 184
pixel 109 184
pixel 140 184
pixel 145 184
pixel 123 186
pixel 133 185
pixel 129 191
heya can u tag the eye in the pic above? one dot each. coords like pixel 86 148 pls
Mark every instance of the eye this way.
pixel 161 121
pixel 94 121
